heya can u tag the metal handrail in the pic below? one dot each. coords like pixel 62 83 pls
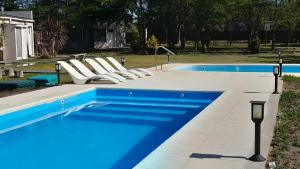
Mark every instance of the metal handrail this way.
pixel 156 56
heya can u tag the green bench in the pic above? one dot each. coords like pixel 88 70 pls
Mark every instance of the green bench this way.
pixel 44 80
pixel 34 81
pixel 16 84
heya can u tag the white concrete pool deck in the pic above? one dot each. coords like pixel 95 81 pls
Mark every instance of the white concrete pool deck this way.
pixel 220 137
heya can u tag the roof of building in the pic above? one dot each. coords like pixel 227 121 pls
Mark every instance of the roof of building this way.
pixel 17 15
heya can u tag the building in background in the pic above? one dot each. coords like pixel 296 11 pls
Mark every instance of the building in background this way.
pixel 17 34
pixel 109 36
pixel 100 36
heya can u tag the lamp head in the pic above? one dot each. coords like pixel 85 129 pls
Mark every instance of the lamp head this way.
pixel 276 70
pixel 280 61
pixel 57 67
pixel 123 59
pixel 257 111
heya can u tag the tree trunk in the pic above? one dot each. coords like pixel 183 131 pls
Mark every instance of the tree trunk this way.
pixel 169 45
pixel 204 47
pixel 197 40
pixel 52 47
pixel 182 45
pixel 141 25
pixel 230 38
pixel 273 38
pixel 182 39
pixel 288 39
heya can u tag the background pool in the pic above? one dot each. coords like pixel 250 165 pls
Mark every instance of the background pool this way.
pixel 239 68
pixel 102 128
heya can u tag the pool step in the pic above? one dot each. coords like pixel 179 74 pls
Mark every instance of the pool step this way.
pixel 113 117
pixel 164 105
pixel 134 111
pixel 123 114
pixel 140 110
pixel 148 106
pixel 154 100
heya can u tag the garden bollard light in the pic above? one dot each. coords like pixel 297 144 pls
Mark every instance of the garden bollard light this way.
pixel 123 61
pixel 280 67
pixel 58 69
pixel 276 73
pixel 257 116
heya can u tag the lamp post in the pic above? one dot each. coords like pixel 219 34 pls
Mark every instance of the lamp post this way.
pixel 168 57
pixel 276 73
pixel 280 67
pixel 123 61
pixel 279 54
pixel 257 116
pixel 58 69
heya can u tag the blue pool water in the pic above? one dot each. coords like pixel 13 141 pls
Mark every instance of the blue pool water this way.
pixel 239 68
pixel 98 129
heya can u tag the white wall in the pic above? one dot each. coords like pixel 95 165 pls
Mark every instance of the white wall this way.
pixel 18 43
pixel 24 43
pixel 9 53
pixel 30 41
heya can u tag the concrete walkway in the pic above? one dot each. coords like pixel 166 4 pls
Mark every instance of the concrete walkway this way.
pixel 220 137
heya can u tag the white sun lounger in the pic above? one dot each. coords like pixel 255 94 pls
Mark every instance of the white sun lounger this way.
pixel 109 68
pixel 100 70
pixel 86 72
pixel 77 77
pixel 122 68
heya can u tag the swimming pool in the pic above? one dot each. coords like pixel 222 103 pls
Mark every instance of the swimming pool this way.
pixel 239 68
pixel 101 128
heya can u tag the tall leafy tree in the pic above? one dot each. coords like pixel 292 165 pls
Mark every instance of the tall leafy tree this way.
pixel 169 19
pixel 206 16
pixel 253 13
pixel 9 4
pixel 287 16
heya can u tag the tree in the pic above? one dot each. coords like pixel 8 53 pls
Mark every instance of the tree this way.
pixel 83 16
pixel 183 19
pixel 207 16
pixel 169 20
pixel 9 4
pixel 56 37
pixel 253 13
pixel 287 16
pixel 140 11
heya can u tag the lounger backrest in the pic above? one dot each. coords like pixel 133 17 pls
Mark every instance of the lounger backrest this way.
pixel 116 63
pixel 73 72
pixel 106 65
pixel 96 66
pixel 82 68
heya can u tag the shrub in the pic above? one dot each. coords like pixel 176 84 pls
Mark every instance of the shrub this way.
pixel 133 38
pixel 152 42
pixel 254 44
pixel 136 44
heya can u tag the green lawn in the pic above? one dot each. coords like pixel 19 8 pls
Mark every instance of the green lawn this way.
pixel 134 60
pixel 188 56
pixel 149 60
pixel 286 141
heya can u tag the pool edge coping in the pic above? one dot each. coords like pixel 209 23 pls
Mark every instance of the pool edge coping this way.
pixel 28 105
